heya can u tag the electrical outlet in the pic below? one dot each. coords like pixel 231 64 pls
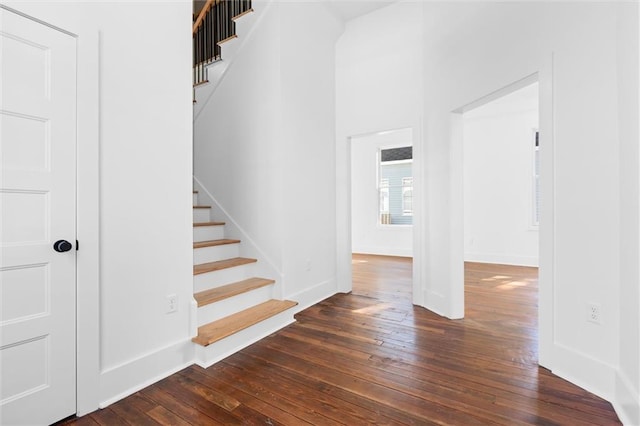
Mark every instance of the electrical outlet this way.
pixel 594 313
pixel 172 303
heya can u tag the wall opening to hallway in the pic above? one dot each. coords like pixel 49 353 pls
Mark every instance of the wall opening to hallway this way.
pixel 382 195
pixel 501 180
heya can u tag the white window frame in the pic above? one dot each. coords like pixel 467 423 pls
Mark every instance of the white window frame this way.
pixel 407 185
pixel 383 189
pixel 535 180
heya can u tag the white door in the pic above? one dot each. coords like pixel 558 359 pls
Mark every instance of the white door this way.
pixel 38 208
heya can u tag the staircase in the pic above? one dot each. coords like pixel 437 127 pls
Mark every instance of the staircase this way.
pixel 234 308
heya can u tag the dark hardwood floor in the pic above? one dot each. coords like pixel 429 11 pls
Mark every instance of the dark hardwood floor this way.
pixel 370 357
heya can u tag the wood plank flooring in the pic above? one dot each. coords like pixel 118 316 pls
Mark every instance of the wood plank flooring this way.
pixel 370 357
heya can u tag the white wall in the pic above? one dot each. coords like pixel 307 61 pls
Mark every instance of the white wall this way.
pixel 368 235
pixel 628 377
pixel 134 70
pixel 146 225
pixel 498 185
pixel 264 145
pixel 307 62
pixel 469 51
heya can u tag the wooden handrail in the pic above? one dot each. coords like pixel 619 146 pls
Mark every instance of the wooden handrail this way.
pixel 202 14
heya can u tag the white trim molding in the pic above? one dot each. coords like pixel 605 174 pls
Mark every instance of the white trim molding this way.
pixel 502 259
pixel 626 401
pixel 128 378
pixel 571 365
pixel 315 294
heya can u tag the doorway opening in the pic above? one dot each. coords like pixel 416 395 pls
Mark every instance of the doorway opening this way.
pixel 501 180
pixel 382 208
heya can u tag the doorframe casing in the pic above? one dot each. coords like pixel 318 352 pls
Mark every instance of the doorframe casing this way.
pixel 88 223
pixel 543 75
pixel 344 273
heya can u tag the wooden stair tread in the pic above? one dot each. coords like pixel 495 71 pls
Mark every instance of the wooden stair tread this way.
pixel 213 243
pixel 200 83
pixel 208 224
pixel 231 37
pixel 221 264
pixel 201 207
pixel 207 297
pixel 225 327
pixel 240 15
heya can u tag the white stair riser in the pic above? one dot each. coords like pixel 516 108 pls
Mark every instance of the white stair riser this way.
pixel 201 215
pixel 215 279
pixel 207 233
pixel 232 305
pixel 215 253
pixel 195 199
pixel 206 356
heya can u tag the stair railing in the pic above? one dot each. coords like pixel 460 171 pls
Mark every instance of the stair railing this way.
pixel 214 25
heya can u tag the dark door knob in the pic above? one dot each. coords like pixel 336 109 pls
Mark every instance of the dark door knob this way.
pixel 62 245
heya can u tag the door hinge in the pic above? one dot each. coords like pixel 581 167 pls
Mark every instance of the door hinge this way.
pixel 77 245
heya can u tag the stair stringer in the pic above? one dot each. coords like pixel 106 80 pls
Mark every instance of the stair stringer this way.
pixel 216 71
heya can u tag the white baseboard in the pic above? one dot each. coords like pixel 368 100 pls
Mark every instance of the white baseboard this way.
pixel 128 378
pixel 384 251
pixel 627 401
pixel 312 295
pixel 590 374
pixel 502 259
pixel 435 302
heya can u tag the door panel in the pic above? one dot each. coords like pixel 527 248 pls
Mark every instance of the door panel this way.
pixel 37 207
